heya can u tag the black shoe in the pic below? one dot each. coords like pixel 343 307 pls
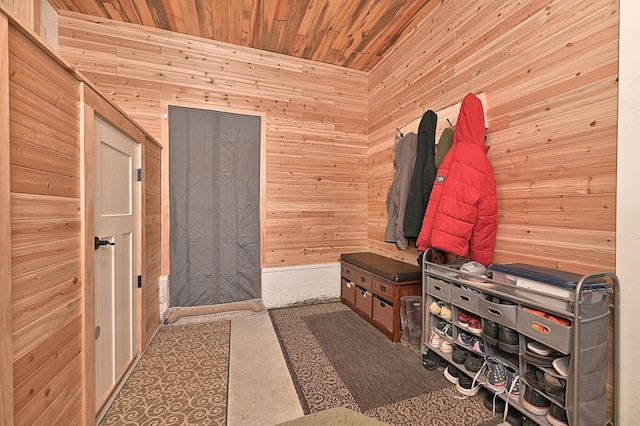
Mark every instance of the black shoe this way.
pixel 452 374
pixel 514 417
pixel 473 362
pixel 535 402
pixel 494 403
pixel 490 333
pixel 508 339
pixel 557 416
pixel 458 354
pixel 430 360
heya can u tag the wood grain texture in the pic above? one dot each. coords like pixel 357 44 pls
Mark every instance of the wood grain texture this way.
pixel 6 330
pixel 352 33
pixel 46 231
pixel 315 126
pixel 548 72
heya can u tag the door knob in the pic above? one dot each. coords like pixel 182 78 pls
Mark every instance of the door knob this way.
pixel 97 243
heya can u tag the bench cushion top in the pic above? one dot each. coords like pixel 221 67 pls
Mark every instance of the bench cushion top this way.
pixel 391 269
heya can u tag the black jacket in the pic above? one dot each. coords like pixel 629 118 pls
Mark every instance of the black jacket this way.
pixel 424 173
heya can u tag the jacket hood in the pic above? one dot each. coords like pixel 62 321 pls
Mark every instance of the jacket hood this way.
pixel 470 125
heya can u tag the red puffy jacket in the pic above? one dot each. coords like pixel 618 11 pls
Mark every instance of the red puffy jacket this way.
pixel 462 214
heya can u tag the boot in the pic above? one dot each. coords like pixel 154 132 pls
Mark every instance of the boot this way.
pixel 414 317
pixel 404 334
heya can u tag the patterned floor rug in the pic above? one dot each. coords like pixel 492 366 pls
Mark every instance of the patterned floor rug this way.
pixel 337 359
pixel 182 378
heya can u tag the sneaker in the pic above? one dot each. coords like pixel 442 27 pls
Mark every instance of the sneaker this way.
pixel 514 417
pixel 496 378
pixel 442 328
pixel 494 403
pixel 513 382
pixel 458 355
pixel 465 339
pixel 475 326
pixel 436 306
pixel 473 362
pixel 478 347
pixel 490 332
pixel 508 339
pixel 557 416
pixel 435 339
pixel 430 360
pixel 561 365
pixel 535 403
pixel 445 312
pixel 446 346
pixel 463 319
pixel 451 373
pixel 466 385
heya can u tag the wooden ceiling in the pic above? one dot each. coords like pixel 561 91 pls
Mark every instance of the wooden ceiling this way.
pixel 351 33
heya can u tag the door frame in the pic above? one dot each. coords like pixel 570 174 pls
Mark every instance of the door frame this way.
pixel 164 161
pixel 94 104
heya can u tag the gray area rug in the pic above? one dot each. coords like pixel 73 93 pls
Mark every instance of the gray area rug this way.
pixel 327 347
pixel 387 374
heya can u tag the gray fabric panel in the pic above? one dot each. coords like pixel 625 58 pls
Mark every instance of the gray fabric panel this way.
pixel 214 197
pixel 594 351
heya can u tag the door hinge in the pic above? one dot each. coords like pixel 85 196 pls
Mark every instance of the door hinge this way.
pixel 139 281
pixel 139 175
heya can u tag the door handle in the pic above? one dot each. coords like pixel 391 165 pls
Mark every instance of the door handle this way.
pixel 97 243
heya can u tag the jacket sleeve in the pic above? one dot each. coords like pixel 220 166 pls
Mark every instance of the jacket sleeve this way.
pixel 483 237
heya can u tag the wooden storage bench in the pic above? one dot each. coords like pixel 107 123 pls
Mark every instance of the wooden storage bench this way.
pixel 372 285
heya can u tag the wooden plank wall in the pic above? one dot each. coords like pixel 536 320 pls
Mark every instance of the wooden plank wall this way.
pixel 548 71
pixel 316 124
pixel 43 337
pixel 6 331
pixel 152 249
pixel 46 270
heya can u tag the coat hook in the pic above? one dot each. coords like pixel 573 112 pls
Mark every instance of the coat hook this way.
pixel 450 124
pixel 401 135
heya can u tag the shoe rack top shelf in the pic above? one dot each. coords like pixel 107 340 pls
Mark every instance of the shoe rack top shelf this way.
pixel 523 295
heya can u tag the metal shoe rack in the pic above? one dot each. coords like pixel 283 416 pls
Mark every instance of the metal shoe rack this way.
pixel 445 283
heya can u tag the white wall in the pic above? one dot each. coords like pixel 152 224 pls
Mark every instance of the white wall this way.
pixel 628 210
pixel 298 284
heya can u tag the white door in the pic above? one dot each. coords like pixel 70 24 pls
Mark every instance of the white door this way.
pixel 116 207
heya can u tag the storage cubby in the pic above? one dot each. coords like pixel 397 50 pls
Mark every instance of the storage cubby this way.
pixel 532 329
pixel 373 285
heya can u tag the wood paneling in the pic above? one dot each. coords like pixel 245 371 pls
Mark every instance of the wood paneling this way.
pixel 548 72
pixel 44 127
pixel 6 331
pixel 315 114
pixel 351 33
pixel 46 358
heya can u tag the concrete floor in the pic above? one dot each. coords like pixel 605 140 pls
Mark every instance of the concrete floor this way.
pixel 261 391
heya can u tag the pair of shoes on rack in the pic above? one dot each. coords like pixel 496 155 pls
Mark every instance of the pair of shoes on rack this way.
pixel 505 338
pixel 501 377
pixel 441 309
pixel 438 340
pixel 470 322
